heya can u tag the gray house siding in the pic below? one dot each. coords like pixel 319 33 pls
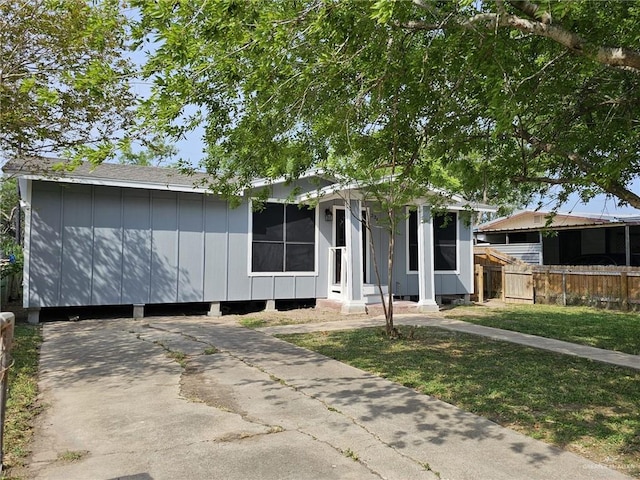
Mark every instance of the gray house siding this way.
pixel 108 245
pixel 108 253
pixel 45 246
pixel 94 245
pixel 216 246
pixel 136 246
pixel 454 283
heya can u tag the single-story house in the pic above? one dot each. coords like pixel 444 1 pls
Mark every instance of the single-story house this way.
pixel 570 238
pixel 135 235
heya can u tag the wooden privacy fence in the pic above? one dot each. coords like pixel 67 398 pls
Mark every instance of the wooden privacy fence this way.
pixel 611 286
pixel 591 285
pixel 7 322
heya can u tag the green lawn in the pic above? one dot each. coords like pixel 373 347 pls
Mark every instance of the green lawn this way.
pixel 23 390
pixel 587 326
pixel 583 406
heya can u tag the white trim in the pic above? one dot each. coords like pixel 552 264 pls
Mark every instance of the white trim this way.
pixel 25 193
pixel 426 300
pixel 366 254
pixel 265 182
pixel 334 208
pixel 472 268
pixel 250 273
pixel 119 183
pixel 330 192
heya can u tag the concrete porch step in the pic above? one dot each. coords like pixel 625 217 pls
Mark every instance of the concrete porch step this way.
pixel 373 309
pixel 372 289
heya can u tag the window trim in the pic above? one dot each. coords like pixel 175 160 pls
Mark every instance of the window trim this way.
pixel 251 273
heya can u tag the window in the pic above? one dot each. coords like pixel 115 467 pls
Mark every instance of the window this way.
pixel 283 239
pixel 445 234
pixel 412 237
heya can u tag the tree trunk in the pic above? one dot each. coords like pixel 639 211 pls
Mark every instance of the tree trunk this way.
pixel 391 331
pixel 372 248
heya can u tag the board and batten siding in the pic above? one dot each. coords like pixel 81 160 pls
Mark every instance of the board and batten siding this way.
pixel 97 245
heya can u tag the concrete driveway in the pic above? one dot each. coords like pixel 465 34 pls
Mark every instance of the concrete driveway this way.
pixel 244 405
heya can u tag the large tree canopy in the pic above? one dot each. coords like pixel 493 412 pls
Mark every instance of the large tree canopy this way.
pixel 64 82
pixel 492 99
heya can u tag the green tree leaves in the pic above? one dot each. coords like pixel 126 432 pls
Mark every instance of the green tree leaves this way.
pixel 495 100
pixel 63 78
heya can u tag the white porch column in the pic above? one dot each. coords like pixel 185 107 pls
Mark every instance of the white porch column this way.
pixel 426 283
pixel 354 301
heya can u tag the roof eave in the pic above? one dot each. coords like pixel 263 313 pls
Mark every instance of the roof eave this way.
pixel 119 183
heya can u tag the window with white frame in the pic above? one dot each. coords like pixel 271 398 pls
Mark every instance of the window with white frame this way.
pixel 445 241
pixel 283 239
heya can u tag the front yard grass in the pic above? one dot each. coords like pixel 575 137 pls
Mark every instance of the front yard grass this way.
pixel 606 329
pixel 23 389
pixel 576 404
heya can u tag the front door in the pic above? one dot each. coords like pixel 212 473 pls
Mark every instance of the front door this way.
pixel 340 240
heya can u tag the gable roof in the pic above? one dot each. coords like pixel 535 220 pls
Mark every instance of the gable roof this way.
pixel 536 220
pixel 109 174
pixel 172 179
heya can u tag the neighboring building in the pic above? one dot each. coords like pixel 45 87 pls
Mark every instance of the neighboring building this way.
pixel 569 239
pixel 132 235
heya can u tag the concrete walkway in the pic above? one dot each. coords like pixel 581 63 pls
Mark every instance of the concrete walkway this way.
pixel 246 405
pixel 559 346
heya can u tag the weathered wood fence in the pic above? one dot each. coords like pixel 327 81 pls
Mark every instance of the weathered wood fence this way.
pixel 7 323
pixel 610 286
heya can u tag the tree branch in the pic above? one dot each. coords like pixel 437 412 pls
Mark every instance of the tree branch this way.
pixel 619 57
pixel 531 10
pixel 614 187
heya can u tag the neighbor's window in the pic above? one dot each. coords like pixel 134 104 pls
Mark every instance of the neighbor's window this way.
pixel 445 241
pixel 283 239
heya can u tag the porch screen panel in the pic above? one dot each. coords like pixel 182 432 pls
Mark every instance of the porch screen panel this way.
pixel 268 223
pixel 267 257
pixel 301 225
pixel 413 240
pixel 445 241
pixel 300 239
pixel 283 239
pixel 268 239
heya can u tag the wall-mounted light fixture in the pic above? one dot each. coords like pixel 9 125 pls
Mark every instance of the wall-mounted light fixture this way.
pixel 328 215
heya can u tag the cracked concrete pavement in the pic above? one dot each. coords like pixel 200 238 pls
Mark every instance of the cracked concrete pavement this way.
pixel 231 403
